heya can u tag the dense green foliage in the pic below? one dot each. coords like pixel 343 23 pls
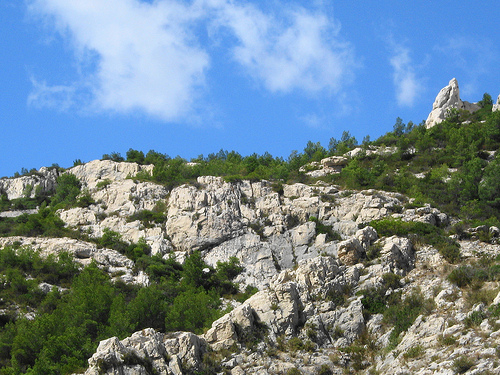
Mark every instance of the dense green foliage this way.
pixel 69 324
pixel 447 165
pixel 398 312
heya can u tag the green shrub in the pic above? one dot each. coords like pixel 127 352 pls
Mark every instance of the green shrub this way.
pixel 475 274
pixel 421 232
pixel 402 313
pixel 462 276
pixel 67 190
pixel 414 352
pixel 321 228
pixel 447 340
pixel 391 280
pixel 474 319
pixel 148 218
pixel 325 370
pixel 462 364
pixel 295 344
pixel 374 300
pixel 103 184
pixel 250 290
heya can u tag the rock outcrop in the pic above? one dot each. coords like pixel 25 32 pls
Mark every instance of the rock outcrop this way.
pixel 93 172
pixel 327 166
pixel 41 182
pixel 448 98
pixel 301 321
pixel 83 253
pixel 148 352
pixel 496 105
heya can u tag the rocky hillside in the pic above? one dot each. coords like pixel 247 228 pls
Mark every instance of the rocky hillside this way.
pixel 291 278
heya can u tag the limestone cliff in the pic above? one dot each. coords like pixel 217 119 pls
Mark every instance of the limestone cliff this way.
pixel 310 312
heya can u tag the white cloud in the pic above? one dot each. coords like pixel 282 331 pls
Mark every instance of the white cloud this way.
pixel 405 80
pixel 146 56
pixel 300 50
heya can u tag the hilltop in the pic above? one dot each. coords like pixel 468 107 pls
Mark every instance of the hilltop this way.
pixel 379 258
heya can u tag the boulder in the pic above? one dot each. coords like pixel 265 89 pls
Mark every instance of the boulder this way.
pixel 231 328
pixel 350 251
pixel 398 254
pixel 146 352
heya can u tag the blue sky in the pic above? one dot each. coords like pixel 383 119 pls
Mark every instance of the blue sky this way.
pixel 81 78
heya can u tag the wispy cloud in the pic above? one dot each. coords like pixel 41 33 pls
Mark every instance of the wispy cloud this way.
pixel 406 83
pixel 297 49
pixel 59 97
pixel 147 56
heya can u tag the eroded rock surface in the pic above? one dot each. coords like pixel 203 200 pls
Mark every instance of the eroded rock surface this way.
pixel 448 98
pixel 311 253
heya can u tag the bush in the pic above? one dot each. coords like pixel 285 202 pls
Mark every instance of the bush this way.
pixel 374 300
pixel 402 313
pixel 325 370
pixel 462 364
pixel 461 276
pixel 67 189
pixel 321 228
pixel 295 344
pixel 148 218
pixel 421 232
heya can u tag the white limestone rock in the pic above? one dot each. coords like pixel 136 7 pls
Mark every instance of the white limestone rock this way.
pixel 84 253
pixel 43 181
pixel 93 172
pixel 147 350
pixel 448 97
pixel 496 105
pixel 398 254
pixel 229 329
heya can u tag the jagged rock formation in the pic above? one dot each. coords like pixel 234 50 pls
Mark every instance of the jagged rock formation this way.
pixel 448 97
pixel 148 351
pixel 299 304
pixel 308 314
pixel 266 231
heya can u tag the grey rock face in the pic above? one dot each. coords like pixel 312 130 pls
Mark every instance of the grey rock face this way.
pixel 93 172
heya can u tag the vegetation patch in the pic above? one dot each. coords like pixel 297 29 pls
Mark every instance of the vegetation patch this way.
pixel 419 232
pixel 321 228
pixel 70 325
